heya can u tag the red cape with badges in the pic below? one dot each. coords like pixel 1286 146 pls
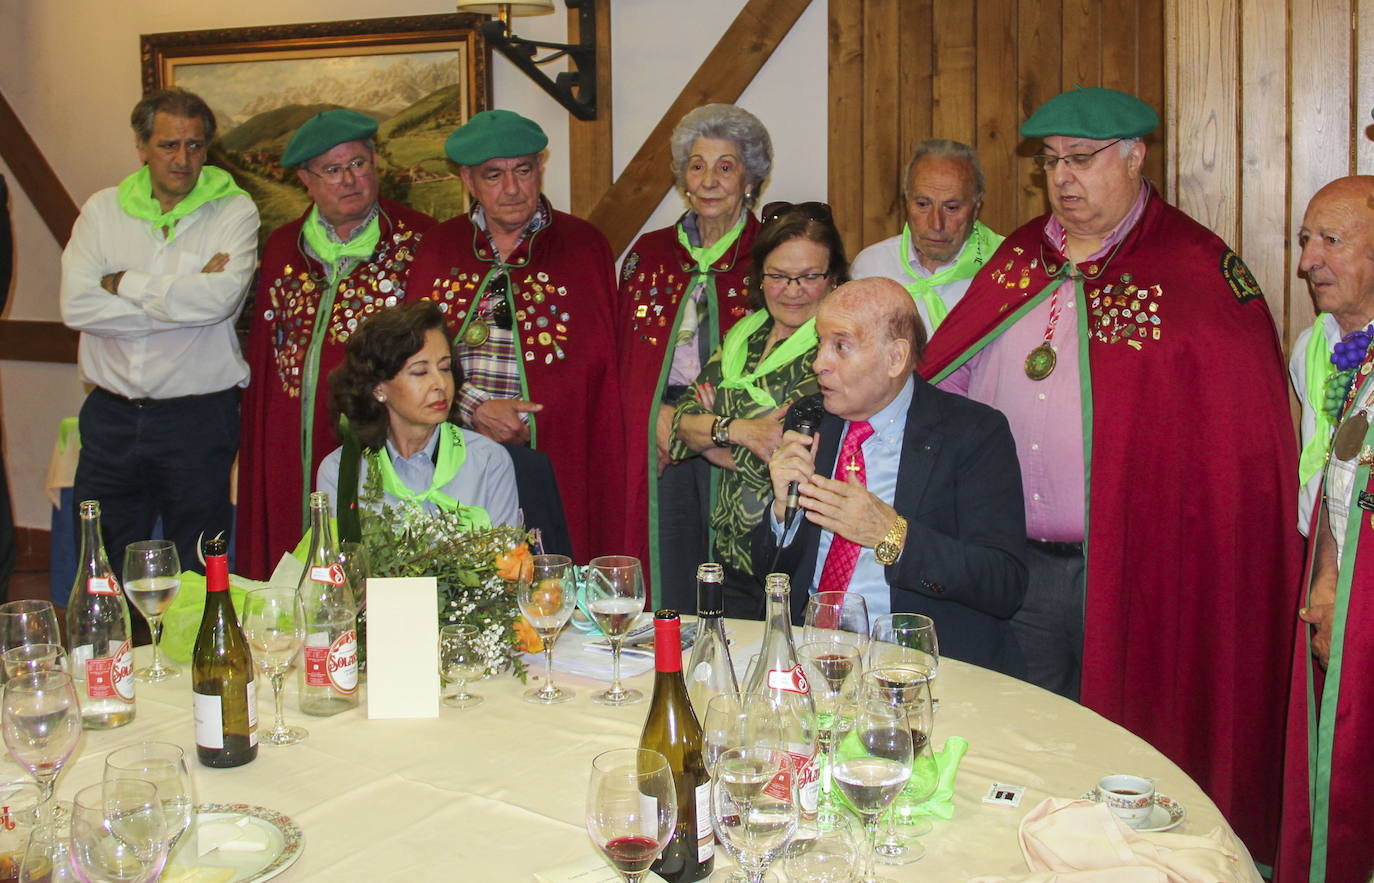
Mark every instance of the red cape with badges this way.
pixel 653 283
pixel 1192 558
pixel 290 287
pixel 1331 722
pixel 563 274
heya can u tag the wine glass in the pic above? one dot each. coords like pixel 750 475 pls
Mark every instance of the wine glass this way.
pixel 274 626
pixel 119 832
pixel 41 720
pixel 152 578
pixel 905 639
pixel 631 808
pixel 824 851
pixel 873 769
pixel 547 599
pixel 907 687
pixel 737 720
pixel 754 807
pixel 837 616
pixel 614 592
pixel 30 621
pixel 47 857
pixel 357 568
pixel 163 764
pixel 19 805
pixel 832 667
pixel 34 657
pixel 460 661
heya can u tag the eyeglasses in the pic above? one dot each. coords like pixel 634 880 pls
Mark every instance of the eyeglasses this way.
pixel 806 281
pixel 1076 161
pixel 812 211
pixel 333 174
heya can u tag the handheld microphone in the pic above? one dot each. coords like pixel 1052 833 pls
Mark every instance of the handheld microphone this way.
pixel 804 416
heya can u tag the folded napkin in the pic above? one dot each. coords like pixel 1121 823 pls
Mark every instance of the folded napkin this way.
pixel 181 621
pixel 946 767
pixel 1078 841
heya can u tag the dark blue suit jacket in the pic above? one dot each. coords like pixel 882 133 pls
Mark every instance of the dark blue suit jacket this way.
pixel 959 488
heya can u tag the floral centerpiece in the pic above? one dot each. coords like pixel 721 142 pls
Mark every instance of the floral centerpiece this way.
pixel 475 569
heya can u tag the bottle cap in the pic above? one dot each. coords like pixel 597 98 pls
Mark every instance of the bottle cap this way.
pixel 216 565
pixel 667 641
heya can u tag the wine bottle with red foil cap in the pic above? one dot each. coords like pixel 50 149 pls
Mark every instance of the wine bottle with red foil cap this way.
pixel 102 656
pixel 224 693
pixel 329 665
pixel 779 675
pixel 672 730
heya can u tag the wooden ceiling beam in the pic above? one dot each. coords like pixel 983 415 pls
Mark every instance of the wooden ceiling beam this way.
pixel 31 169
pixel 722 77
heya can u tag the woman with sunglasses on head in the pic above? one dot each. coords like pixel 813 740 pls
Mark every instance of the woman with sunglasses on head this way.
pixel 681 289
pixel 736 405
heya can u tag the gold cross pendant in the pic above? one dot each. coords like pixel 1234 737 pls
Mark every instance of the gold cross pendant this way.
pixel 853 467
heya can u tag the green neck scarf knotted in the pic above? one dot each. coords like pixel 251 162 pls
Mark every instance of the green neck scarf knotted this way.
pixel 734 351
pixel 137 200
pixel 706 255
pixel 451 456
pixel 1319 371
pixel 360 245
pixel 981 243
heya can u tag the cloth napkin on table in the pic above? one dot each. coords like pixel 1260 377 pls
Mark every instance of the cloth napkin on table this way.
pixel 1078 841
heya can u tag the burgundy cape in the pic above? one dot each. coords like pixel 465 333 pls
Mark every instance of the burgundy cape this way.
pixel 271 487
pixel 653 282
pixel 1328 823
pixel 1192 558
pixel 562 293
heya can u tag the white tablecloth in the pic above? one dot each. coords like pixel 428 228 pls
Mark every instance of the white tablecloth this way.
pixel 496 792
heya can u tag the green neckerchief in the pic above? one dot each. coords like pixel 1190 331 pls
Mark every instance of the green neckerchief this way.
pixel 706 255
pixel 360 245
pixel 451 455
pixel 1319 369
pixel 979 246
pixel 136 197
pixel 734 350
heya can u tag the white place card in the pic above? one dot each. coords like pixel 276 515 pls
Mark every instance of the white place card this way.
pixel 402 647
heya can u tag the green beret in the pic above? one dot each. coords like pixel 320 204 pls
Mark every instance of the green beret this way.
pixel 1100 114
pixel 326 130
pixel 494 134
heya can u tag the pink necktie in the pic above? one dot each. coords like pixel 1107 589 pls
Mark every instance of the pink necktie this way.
pixel 844 554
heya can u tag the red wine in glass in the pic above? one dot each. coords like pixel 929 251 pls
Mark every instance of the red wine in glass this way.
pixel 632 855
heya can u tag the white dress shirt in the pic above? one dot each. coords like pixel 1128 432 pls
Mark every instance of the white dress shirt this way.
pixel 885 259
pixel 170 330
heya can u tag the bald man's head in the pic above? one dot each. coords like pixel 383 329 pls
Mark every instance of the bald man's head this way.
pixel 870 340
pixel 1337 242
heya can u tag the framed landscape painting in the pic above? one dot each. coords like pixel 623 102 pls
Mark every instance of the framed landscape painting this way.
pixel 419 76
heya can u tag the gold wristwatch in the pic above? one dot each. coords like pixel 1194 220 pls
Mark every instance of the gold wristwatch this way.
pixel 890 548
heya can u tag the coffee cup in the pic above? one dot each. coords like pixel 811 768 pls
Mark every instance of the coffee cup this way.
pixel 1130 798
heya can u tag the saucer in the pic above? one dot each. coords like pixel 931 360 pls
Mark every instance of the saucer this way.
pixel 1165 814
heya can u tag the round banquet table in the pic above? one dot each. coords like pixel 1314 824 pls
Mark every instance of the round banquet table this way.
pixel 496 792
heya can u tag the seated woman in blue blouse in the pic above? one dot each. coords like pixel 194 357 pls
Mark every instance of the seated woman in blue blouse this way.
pixel 396 389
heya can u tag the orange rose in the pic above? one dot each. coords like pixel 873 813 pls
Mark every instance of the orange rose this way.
pixel 518 563
pixel 527 639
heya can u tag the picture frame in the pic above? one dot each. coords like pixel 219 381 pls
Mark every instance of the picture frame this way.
pixel 420 76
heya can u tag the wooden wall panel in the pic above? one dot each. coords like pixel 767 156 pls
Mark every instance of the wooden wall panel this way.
pixel 997 117
pixel 845 180
pixel 882 167
pixel 953 111
pixel 1038 78
pixel 1264 236
pixel 1205 134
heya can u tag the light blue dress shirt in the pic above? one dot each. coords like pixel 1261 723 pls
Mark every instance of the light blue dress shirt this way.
pixel 882 457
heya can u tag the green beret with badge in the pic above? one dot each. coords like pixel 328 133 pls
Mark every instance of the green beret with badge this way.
pixel 325 131
pixel 494 134
pixel 1096 113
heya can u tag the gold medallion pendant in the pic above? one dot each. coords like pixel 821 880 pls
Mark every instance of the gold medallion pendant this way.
pixel 1040 362
pixel 1350 436
pixel 477 332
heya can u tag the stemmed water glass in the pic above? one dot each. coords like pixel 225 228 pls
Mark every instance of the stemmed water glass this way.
pixel 832 667
pixel 837 616
pixel 460 661
pixel 547 598
pixel 824 851
pixel 873 769
pixel 274 626
pixel 164 765
pixel 119 832
pixel 907 687
pixel 737 720
pixel 152 578
pixel 905 639
pixel 30 621
pixel 631 808
pixel 41 720
pixel 34 657
pixel 754 806
pixel 613 589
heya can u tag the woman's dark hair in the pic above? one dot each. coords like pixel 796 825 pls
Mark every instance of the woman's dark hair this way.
pixel 377 351
pixel 795 222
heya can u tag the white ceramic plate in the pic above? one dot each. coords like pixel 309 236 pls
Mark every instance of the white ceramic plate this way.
pixel 1165 814
pixel 226 825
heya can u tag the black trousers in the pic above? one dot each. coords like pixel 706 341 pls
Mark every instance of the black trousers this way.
pixel 158 457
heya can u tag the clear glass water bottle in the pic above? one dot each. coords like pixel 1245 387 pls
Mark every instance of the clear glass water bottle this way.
pixel 102 654
pixel 329 665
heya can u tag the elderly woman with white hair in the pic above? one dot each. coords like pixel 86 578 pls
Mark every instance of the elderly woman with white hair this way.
pixel 681 290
